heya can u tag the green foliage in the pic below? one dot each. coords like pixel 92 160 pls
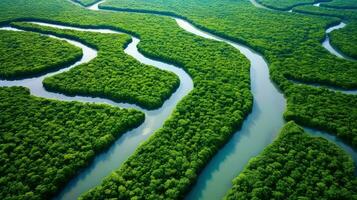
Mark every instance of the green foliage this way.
pixel 346 39
pixel 284 4
pixel 349 4
pixel 43 143
pixel 24 54
pixel 113 74
pixel 327 110
pixel 290 42
pixel 350 15
pixel 206 118
pixel 297 166
pixel 165 165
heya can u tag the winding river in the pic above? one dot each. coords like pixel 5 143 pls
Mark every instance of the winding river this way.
pixel 258 130
pixel 110 159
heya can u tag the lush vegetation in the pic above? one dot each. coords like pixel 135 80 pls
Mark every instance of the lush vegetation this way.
pixel 297 166
pixel 206 118
pixel 348 15
pixel 289 4
pixel 24 54
pixel 165 166
pixel 292 53
pixel 291 48
pixel 113 74
pixel 43 143
pixel 284 4
pixel 349 4
pixel 330 111
pixel 344 39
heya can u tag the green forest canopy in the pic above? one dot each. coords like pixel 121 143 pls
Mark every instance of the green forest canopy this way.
pixel 297 166
pixel 112 74
pixel 24 54
pixel 204 119
pixel 43 143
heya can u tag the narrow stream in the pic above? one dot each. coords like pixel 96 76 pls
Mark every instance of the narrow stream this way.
pixel 316 4
pixel 326 43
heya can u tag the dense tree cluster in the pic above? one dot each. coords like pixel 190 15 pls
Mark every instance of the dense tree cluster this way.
pixel 43 143
pixel 344 39
pixel 340 4
pixel 284 4
pixel 327 110
pixel 292 49
pixel 212 112
pixel 297 166
pixel 113 74
pixel 165 166
pixel 289 4
pixel 347 14
pixel 24 54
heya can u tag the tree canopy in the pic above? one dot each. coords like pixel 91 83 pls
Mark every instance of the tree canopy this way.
pixel 24 54
pixel 43 143
pixel 297 166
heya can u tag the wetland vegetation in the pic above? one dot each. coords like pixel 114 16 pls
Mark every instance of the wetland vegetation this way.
pixel 45 142
pixel 297 166
pixel 24 54
pixel 168 164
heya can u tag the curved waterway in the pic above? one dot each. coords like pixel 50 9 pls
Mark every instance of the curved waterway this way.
pixel 327 44
pixel 258 130
pixel 112 158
